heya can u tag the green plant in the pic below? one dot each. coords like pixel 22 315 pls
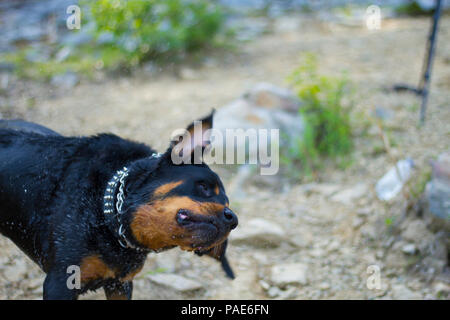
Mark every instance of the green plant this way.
pixel 126 33
pixel 412 8
pixel 143 30
pixel 326 113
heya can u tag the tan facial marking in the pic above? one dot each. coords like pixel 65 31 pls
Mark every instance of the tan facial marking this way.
pixel 216 190
pixel 154 224
pixel 166 188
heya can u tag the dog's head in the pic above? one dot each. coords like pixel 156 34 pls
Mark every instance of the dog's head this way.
pixel 172 203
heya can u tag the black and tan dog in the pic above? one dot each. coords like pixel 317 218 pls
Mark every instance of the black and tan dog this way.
pixel 102 203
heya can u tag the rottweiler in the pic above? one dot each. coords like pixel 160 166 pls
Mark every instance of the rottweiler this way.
pixel 98 205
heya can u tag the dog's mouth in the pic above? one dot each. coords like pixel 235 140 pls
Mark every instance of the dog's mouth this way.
pixel 186 218
pixel 204 228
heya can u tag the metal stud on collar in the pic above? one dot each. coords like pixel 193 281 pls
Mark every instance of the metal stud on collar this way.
pixel 109 205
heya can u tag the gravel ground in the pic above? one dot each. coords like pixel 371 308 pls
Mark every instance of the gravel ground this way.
pixel 332 230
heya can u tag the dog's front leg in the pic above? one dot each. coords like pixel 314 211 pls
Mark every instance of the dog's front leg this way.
pixel 118 290
pixel 56 288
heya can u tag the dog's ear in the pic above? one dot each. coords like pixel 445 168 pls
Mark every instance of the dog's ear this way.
pixel 218 253
pixel 187 145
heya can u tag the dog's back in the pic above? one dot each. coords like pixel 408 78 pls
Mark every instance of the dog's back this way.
pixel 25 126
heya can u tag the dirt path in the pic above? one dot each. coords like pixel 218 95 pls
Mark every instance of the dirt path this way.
pixel 335 241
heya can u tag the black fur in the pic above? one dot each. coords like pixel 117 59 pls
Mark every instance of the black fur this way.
pixel 51 196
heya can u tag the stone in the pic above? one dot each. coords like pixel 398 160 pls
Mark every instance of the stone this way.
pixel 409 248
pixel 262 107
pixel 287 24
pixel 175 282
pixel 264 285
pixel 269 96
pixel 349 195
pixel 273 292
pixel 416 230
pixel 357 222
pixel 67 80
pixel 289 293
pixel 63 54
pixel 324 286
pixel 325 189
pixel 289 273
pixel 259 233
pixel 401 292
pixel 189 74
pixel 441 289
pixel 437 194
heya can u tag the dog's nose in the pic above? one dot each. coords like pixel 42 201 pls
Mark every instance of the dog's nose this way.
pixel 230 218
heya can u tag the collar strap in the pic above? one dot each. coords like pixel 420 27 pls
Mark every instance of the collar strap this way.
pixel 113 202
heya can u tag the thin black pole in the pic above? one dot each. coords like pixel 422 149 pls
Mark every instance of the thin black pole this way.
pixel 425 81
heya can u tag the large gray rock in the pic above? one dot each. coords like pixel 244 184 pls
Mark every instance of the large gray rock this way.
pixel 259 233
pixel 350 195
pixel 264 106
pixel 289 273
pixel 437 193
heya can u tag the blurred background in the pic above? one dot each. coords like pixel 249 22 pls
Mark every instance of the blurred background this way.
pixel 359 208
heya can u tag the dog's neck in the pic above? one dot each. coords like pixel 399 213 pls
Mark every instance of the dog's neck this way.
pixel 113 200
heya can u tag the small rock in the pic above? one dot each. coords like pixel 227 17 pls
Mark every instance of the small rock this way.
pixel 325 189
pixel 273 292
pixel 259 233
pixel 415 230
pixel 363 212
pixel 189 74
pixel 317 253
pixel 357 222
pixel 409 248
pixel 401 292
pixel 333 246
pixel 77 38
pixel 289 293
pixel 289 273
pixel 286 24
pixel 438 193
pixel 67 80
pixel 324 286
pixel 441 289
pixel 175 282
pixel 264 285
pixel 348 196
pixel 63 54
pixel 7 66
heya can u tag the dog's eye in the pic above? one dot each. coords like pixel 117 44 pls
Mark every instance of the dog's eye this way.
pixel 204 189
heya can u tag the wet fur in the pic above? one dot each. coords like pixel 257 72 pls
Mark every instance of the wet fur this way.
pixel 51 192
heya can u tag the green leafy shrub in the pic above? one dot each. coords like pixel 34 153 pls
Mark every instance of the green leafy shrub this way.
pixel 126 33
pixel 326 112
pixel 412 8
pixel 143 30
